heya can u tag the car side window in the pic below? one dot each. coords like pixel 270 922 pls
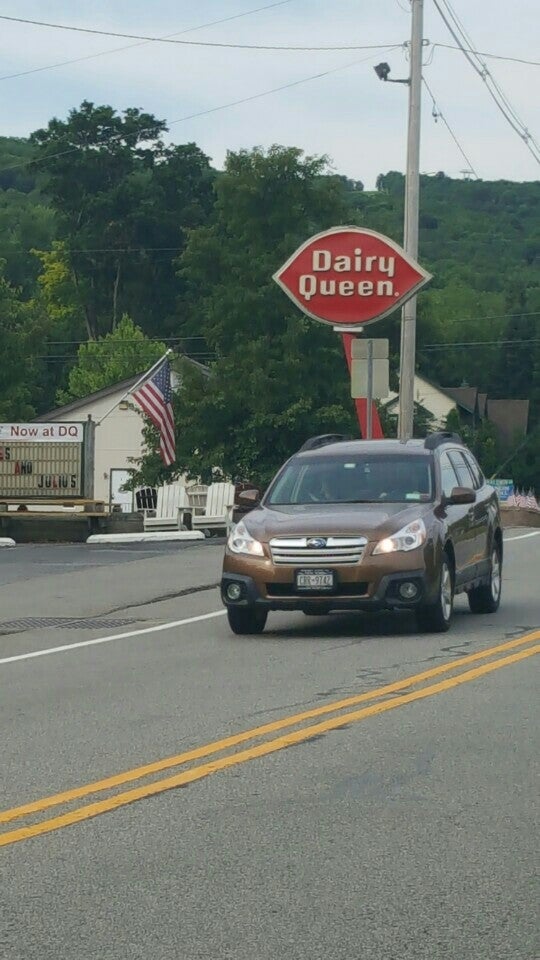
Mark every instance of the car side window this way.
pixel 475 470
pixel 449 478
pixel 464 475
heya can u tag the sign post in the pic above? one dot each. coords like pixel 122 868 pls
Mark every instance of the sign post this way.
pixel 369 394
pixel 349 277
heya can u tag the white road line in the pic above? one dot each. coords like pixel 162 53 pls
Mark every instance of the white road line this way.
pixel 118 636
pixel 522 536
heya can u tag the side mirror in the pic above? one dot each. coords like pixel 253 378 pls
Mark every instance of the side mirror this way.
pixel 461 496
pixel 249 498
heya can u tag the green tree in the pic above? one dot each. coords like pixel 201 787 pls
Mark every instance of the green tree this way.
pixel 124 203
pixel 25 223
pixel 524 467
pixel 117 356
pixel 277 377
pixel 482 440
pixel 21 338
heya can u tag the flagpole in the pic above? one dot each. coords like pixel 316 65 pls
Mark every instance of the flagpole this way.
pixel 134 387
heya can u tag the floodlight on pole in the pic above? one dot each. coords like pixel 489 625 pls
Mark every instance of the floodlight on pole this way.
pixel 383 72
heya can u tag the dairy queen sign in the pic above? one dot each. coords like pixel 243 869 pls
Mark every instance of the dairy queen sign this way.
pixel 349 276
pixel 44 461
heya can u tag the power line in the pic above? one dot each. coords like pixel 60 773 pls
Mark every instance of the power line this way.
pixel 481 319
pixel 438 115
pixel 497 93
pixel 131 46
pixel 491 56
pixel 114 250
pixel 472 239
pixel 173 340
pixel 448 345
pixel 198 43
pixel 169 38
pixel 482 70
pixel 200 113
pixel 71 343
pixel 468 40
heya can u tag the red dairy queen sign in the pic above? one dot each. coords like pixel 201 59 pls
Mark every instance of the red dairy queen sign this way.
pixel 350 276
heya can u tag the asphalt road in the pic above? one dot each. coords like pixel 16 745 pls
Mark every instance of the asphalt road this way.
pixel 385 810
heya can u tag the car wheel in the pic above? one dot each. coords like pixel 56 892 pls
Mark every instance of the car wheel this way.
pixel 246 620
pixel 486 599
pixel 436 617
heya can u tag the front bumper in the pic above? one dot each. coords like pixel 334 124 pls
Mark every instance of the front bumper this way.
pixel 368 585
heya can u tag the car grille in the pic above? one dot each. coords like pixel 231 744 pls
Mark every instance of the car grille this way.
pixel 317 550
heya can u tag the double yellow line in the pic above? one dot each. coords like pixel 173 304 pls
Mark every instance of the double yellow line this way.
pixel 389 697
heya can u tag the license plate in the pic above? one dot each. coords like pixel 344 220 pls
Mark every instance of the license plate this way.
pixel 315 580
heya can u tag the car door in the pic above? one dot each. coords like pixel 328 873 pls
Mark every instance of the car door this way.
pixel 476 512
pixel 458 521
pixel 483 511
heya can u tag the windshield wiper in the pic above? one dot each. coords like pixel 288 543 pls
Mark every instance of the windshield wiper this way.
pixel 359 501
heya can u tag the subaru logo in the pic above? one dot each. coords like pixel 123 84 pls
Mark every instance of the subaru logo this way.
pixel 316 543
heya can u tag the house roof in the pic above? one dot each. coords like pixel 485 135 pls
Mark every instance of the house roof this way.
pixel 465 397
pixel 122 386
pixel 462 396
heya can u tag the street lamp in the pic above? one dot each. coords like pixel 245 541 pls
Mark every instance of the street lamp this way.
pixel 383 72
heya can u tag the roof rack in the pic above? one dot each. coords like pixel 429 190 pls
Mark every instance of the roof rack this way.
pixel 322 441
pixel 443 436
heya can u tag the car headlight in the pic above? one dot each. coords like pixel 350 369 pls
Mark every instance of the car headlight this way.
pixel 408 538
pixel 241 541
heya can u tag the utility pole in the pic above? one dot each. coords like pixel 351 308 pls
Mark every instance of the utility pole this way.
pixel 412 204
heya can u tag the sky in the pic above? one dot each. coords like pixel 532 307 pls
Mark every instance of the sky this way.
pixel 349 115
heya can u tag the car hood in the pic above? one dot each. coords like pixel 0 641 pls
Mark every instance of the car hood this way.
pixel 371 520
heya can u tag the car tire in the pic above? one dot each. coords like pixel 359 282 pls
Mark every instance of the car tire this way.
pixel 246 620
pixel 437 617
pixel 486 599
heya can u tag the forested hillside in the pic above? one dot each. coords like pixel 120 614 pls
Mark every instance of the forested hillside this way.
pixel 104 226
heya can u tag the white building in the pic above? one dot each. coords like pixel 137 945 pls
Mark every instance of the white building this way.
pixel 438 401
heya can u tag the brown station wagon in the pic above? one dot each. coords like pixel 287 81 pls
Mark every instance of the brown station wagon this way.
pixel 367 525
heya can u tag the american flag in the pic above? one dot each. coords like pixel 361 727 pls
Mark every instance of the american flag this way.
pixel 532 502
pixel 154 396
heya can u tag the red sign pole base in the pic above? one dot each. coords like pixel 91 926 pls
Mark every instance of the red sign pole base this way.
pixel 361 403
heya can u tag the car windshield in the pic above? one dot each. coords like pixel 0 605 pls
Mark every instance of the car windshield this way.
pixel 360 479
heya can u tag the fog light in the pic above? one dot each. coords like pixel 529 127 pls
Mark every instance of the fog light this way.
pixel 234 591
pixel 408 591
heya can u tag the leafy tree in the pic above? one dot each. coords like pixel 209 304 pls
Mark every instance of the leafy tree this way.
pixel 482 440
pixel 25 223
pixel 124 203
pixel 111 207
pixel 118 355
pixel 20 337
pixel 514 374
pixel 525 464
pixel 277 377
pixel 16 154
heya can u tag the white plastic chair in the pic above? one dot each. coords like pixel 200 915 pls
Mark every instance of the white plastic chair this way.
pixel 172 503
pixel 197 495
pixel 219 500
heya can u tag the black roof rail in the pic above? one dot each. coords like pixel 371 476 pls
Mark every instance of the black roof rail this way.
pixel 322 441
pixel 443 436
